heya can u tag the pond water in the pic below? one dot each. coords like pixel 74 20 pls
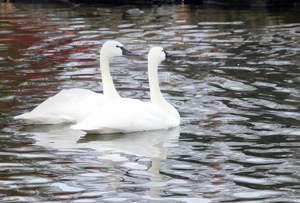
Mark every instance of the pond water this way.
pixel 234 78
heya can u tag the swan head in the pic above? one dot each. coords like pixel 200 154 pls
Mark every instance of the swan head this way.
pixel 113 48
pixel 158 54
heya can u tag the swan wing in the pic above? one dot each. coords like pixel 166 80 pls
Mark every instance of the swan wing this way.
pixel 67 106
pixel 126 115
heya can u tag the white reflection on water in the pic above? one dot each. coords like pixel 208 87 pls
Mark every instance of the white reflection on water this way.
pixel 151 144
pixel 61 137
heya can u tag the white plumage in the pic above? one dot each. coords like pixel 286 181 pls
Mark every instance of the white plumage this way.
pixel 68 106
pixel 73 105
pixel 130 115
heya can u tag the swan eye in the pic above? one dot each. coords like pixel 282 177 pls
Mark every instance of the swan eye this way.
pixel 118 46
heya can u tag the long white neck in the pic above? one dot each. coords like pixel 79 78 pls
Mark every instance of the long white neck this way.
pixel 109 89
pixel 155 93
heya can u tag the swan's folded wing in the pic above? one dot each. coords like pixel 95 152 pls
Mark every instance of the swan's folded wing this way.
pixel 67 106
pixel 126 115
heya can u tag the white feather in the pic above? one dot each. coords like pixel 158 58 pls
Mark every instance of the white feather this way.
pixel 130 115
pixel 73 105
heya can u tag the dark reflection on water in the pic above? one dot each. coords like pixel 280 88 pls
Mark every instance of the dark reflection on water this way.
pixel 234 79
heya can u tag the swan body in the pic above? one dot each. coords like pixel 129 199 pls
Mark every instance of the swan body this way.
pixel 73 105
pixel 131 115
pixel 68 106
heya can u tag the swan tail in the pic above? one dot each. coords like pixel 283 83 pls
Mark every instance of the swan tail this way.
pixel 20 117
pixel 26 117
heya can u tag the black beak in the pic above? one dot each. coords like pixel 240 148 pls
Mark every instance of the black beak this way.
pixel 167 54
pixel 127 52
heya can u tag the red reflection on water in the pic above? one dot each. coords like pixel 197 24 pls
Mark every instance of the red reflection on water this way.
pixel 34 52
pixel 27 48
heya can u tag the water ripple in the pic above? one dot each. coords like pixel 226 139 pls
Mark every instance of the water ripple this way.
pixel 234 79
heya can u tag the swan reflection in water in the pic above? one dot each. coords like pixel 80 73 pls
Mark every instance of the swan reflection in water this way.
pixel 150 144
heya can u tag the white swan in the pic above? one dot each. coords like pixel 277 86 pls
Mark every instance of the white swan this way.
pixel 73 105
pixel 131 115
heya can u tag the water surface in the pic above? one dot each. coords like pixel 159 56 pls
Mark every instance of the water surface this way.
pixel 234 78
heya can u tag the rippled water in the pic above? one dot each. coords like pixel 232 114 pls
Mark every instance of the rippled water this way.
pixel 234 78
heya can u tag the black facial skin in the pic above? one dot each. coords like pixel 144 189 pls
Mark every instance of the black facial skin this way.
pixel 127 52
pixel 167 54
